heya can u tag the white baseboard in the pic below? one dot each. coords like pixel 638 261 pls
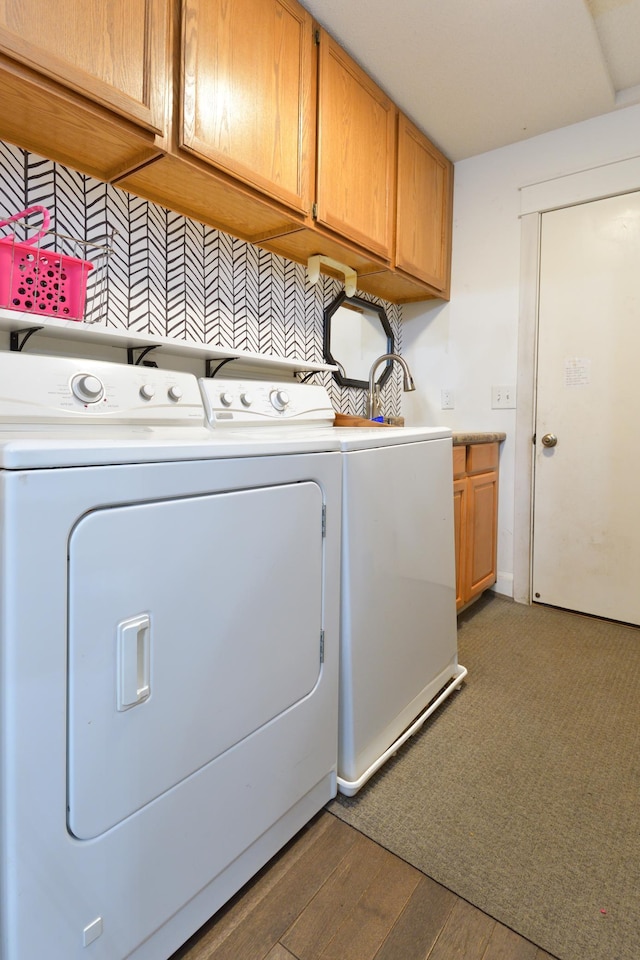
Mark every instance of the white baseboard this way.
pixel 504 585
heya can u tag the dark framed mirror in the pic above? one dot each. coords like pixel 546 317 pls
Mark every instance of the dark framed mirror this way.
pixel 356 333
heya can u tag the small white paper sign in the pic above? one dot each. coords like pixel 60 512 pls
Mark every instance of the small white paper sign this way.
pixel 577 372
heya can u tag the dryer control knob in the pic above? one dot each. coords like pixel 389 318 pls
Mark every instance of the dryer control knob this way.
pixel 175 392
pixel 226 399
pixel 279 399
pixel 87 388
pixel 147 391
pixel 246 399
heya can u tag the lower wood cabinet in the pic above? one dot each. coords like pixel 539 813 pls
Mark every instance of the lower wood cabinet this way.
pixel 475 497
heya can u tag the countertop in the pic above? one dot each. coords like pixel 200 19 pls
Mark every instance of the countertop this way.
pixel 478 437
pixel 459 439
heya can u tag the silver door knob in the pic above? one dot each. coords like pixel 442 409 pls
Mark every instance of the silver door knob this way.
pixel 549 440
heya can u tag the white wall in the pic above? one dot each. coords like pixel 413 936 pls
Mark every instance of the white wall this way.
pixel 471 343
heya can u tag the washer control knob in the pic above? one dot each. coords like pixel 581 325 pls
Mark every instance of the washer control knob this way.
pixel 279 399
pixel 147 391
pixel 175 392
pixel 246 399
pixel 226 398
pixel 87 388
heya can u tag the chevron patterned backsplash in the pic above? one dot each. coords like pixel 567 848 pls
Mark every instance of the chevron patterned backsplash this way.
pixel 174 277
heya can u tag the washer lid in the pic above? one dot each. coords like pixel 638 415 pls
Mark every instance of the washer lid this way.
pixel 366 438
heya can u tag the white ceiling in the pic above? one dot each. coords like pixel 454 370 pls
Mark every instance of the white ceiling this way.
pixel 479 74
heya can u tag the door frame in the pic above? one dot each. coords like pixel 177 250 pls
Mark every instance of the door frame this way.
pixel 584 186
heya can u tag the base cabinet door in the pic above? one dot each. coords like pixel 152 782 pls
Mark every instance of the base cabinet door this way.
pixel 475 497
pixel 482 504
pixel 460 532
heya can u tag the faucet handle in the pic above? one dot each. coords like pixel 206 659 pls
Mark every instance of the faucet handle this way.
pixel 375 402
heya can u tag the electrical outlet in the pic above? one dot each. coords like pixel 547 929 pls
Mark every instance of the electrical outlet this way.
pixel 503 398
pixel 447 400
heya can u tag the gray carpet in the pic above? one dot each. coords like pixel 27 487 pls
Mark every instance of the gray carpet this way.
pixel 521 793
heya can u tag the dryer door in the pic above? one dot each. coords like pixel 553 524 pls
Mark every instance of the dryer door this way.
pixel 192 623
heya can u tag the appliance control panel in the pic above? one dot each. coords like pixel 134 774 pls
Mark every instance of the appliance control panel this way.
pixel 251 402
pixel 39 390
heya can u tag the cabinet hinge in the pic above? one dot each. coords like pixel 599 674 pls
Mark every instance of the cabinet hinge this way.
pixel 322 646
pixel 324 519
pixel 533 439
pixel 316 37
pixel 314 211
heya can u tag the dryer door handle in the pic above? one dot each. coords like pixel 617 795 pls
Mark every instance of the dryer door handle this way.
pixel 134 643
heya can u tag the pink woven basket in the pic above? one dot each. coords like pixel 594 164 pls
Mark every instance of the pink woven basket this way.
pixel 41 281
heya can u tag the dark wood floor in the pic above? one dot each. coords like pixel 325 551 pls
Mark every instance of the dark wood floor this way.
pixel 333 894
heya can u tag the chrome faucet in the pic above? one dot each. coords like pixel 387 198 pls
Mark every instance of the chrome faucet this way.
pixel 373 398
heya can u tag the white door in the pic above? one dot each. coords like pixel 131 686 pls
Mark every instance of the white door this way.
pixel 586 539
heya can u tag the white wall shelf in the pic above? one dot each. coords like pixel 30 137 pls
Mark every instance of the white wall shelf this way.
pixel 14 321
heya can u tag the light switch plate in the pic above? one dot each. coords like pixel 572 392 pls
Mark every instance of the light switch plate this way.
pixel 503 398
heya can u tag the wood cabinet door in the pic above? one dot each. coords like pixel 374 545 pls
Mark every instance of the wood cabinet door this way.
pixel 460 535
pixel 114 53
pixel 424 208
pixel 356 152
pixel 482 515
pixel 248 93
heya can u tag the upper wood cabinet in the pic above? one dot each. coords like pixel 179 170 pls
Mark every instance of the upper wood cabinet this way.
pixel 114 53
pixel 423 220
pixel 424 214
pixel 248 93
pixel 355 152
pixel 85 83
pixel 239 150
pixel 233 113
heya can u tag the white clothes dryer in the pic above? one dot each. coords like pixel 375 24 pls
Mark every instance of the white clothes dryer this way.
pixel 169 623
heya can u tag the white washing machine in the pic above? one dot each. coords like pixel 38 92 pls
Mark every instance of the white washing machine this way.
pixel 398 646
pixel 169 621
